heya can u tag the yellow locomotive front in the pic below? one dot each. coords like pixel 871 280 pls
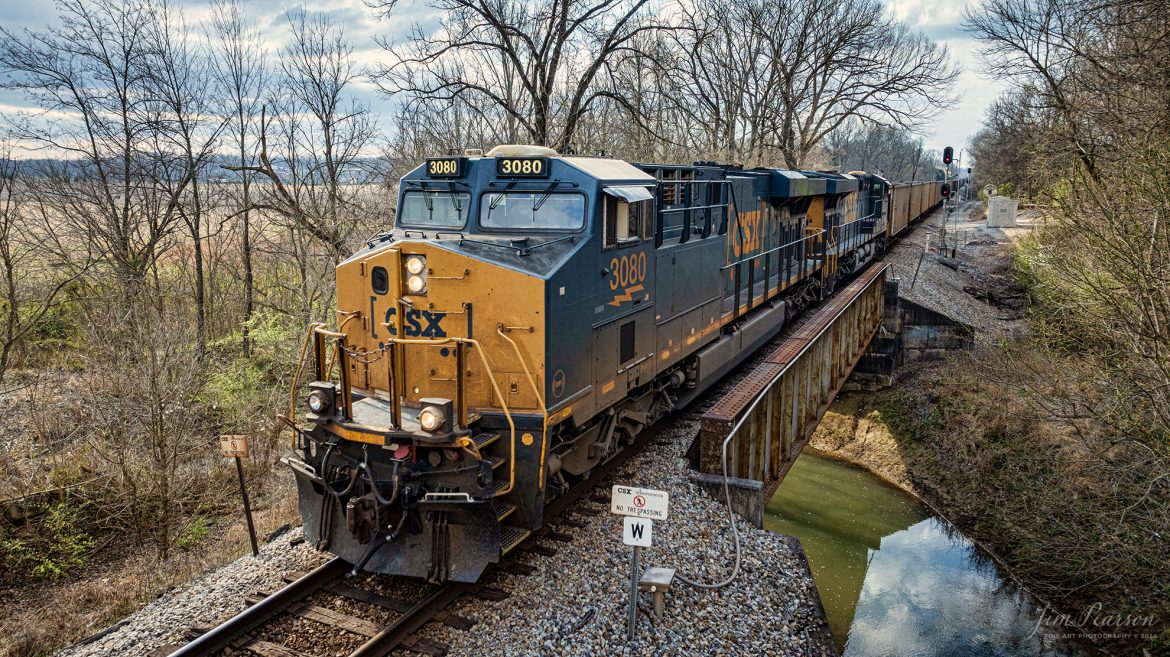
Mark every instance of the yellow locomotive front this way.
pixel 424 449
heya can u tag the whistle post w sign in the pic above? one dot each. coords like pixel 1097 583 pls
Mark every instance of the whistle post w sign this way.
pixel 641 507
pixel 637 531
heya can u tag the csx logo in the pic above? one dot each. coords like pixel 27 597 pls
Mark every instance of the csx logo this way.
pixel 418 323
pixel 749 236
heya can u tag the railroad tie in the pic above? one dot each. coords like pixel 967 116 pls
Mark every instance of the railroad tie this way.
pixel 369 597
pixel 492 593
pixel 415 643
pixel 339 620
pixel 269 649
pixel 541 550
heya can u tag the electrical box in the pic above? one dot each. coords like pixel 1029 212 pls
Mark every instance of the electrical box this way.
pixel 1001 211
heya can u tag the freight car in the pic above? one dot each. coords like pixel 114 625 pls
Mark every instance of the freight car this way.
pixel 529 314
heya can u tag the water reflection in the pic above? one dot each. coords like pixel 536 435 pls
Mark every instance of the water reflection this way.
pixel 896 581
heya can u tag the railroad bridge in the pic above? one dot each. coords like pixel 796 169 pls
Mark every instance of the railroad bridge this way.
pixel 761 425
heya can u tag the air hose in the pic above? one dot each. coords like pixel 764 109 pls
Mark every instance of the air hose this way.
pixel 730 521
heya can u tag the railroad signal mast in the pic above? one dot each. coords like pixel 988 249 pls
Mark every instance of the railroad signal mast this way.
pixel 948 157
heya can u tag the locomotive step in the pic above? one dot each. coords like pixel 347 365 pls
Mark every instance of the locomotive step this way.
pixel 495 461
pixel 485 439
pixel 510 537
pixel 503 510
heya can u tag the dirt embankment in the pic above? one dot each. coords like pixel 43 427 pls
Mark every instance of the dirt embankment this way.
pixel 970 280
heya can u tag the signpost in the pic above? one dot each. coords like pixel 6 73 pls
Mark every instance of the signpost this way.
pixel 641 507
pixel 236 447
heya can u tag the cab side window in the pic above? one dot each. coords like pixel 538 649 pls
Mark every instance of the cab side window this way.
pixel 626 222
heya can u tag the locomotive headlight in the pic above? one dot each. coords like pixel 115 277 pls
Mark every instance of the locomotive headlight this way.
pixel 416 264
pixel 416 284
pixel 416 274
pixel 431 419
pixel 317 402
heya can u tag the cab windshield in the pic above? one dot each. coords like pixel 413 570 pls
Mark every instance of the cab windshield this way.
pixel 532 210
pixel 426 209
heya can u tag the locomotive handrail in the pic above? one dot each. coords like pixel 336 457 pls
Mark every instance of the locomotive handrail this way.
pixel 539 397
pixel 688 208
pixel 737 267
pixel 325 370
pixel 320 329
pixel 317 333
pixel 724 192
pixel 292 393
pixel 495 387
pixel 772 250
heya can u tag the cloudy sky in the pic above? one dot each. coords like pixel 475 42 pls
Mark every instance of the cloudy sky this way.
pixel 940 19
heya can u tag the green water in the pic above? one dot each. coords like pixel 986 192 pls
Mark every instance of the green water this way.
pixel 895 580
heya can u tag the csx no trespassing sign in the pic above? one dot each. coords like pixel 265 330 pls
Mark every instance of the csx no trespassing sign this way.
pixel 639 502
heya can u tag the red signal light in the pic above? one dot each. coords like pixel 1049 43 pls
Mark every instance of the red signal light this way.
pixel 948 155
pixel 946 190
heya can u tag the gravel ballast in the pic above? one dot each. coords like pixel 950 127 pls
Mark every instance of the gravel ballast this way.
pixel 575 603
pixel 208 600
pixel 983 297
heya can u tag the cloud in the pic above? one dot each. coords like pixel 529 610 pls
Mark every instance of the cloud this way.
pixel 938 19
pixel 925 594
pixel 942 20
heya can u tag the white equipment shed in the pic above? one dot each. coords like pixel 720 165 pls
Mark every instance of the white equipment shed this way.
pixel 1001 211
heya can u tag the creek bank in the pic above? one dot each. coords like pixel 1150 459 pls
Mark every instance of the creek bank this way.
pixel 962 434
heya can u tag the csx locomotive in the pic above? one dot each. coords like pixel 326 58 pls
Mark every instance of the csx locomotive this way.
pixel 529 314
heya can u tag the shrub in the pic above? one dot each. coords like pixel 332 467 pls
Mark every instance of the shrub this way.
pixel 49 547
pixel 194 533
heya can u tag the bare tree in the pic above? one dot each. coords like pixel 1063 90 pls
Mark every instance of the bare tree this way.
pixel 892 152
pixel 1035 42
pixel 318 171
pixel 37 264
pixel 241 72
pixel 91 77
pixel 189 126
pixel 533 68
pixel 773 80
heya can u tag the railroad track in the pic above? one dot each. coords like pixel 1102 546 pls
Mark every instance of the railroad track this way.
pixel 245 633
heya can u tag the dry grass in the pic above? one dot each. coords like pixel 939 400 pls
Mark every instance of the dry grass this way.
pixel 39 620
